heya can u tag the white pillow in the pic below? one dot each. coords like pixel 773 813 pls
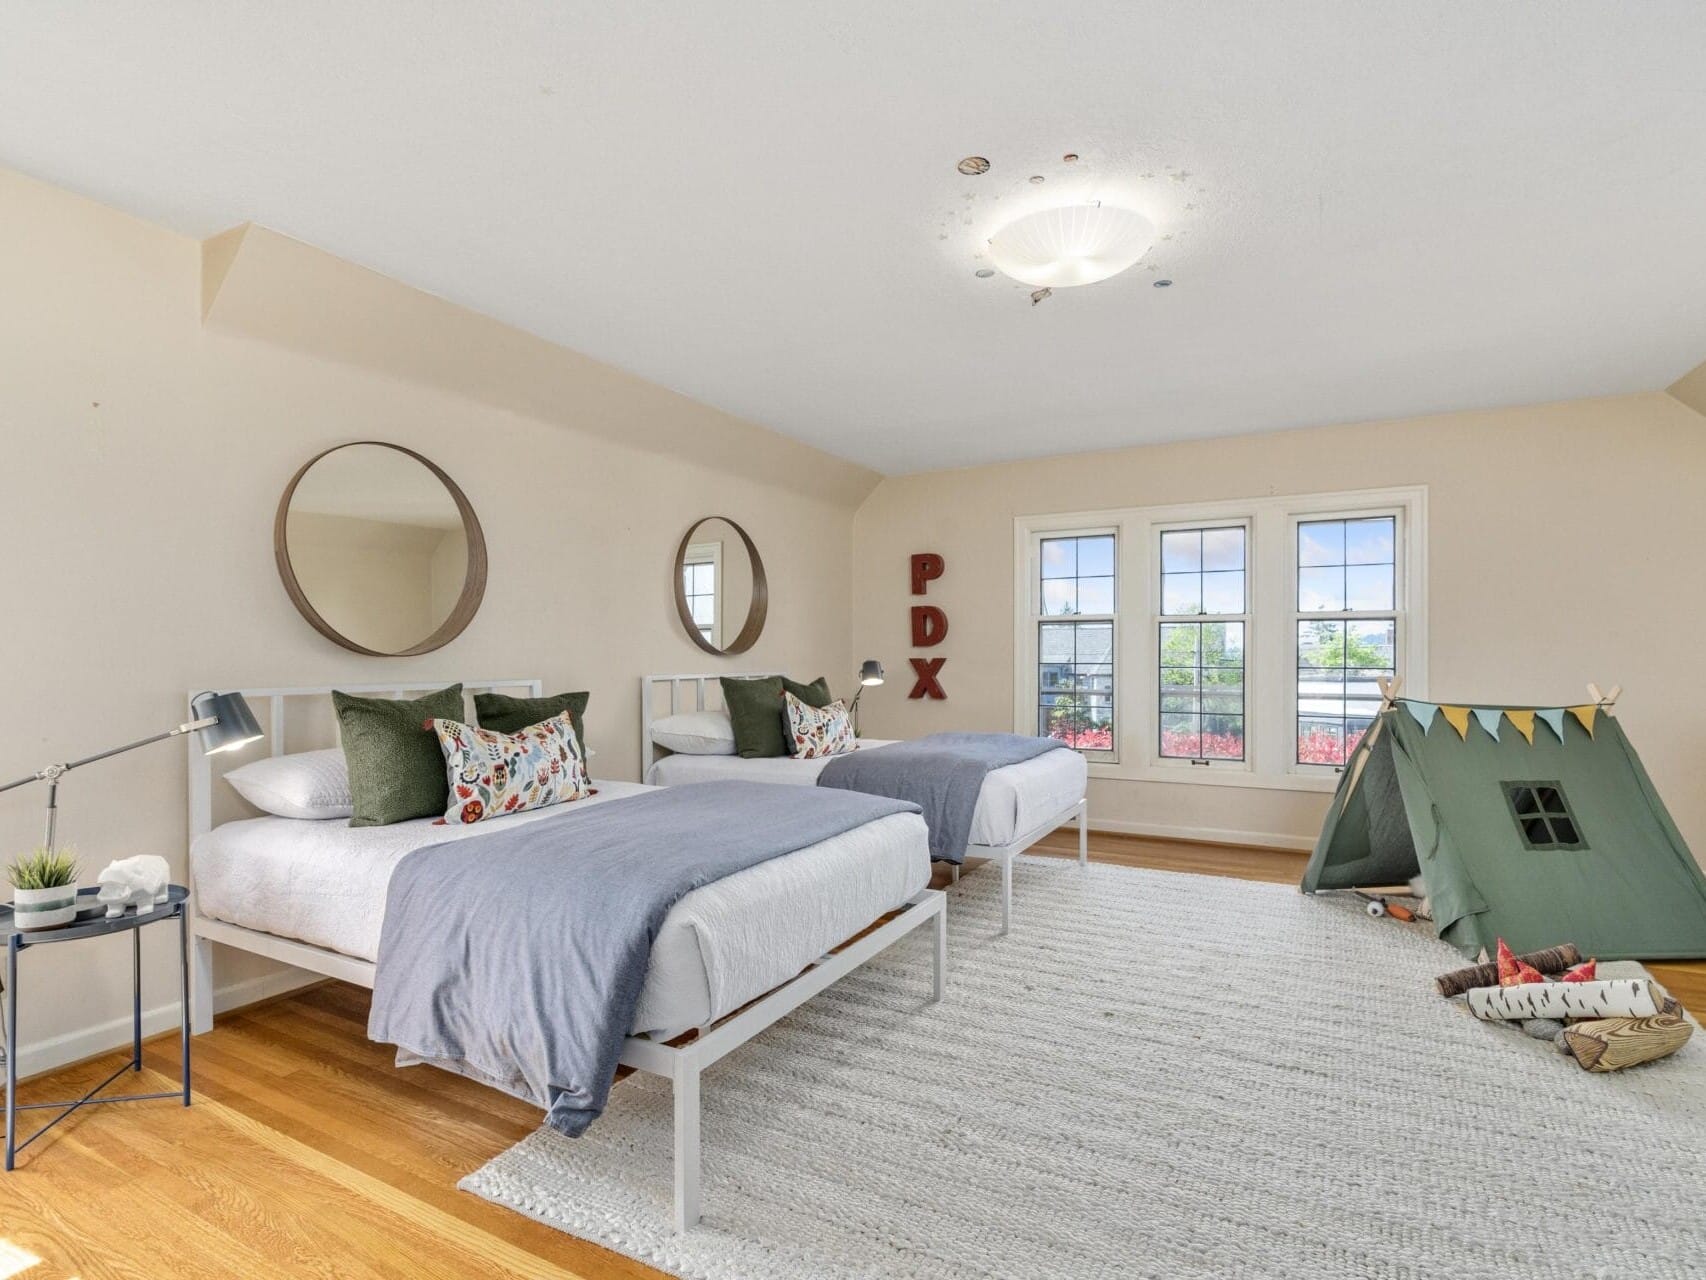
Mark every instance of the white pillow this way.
pixel 696 733
pixel 308 784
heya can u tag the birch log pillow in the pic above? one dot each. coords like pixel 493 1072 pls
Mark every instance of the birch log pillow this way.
pixel 491 774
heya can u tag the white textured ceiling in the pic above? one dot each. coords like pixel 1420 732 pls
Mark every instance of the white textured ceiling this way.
pixel 1371 209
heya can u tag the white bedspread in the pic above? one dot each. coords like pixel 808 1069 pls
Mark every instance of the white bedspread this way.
pixel 1014 800
pixel 324 883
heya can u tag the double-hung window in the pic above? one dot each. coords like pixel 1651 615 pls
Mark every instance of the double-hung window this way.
pixel 1073 598
pixel 1201 627
pixel 1347 630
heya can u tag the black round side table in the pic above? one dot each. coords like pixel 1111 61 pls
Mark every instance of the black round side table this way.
pixel 92 922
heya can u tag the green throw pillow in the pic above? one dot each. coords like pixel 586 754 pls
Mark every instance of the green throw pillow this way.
pixel 396 770
pixel 756 710
pixel 511 715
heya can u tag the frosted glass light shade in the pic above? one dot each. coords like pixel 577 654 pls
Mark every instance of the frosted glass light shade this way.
pixel 1076 244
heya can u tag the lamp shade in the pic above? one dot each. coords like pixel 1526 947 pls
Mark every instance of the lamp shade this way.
pixel 1075 244
pixel 871 672
pixel 236 725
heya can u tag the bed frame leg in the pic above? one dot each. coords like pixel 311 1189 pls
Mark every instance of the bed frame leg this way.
pixel 201 985
pixel 941 950
pixel 1006 894
pixel 1084 832
pixel 686 1090
pixel 954 874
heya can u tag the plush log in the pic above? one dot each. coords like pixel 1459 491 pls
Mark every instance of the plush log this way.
pixel 1551 960
pixel 1610 1044
pixel 1614 998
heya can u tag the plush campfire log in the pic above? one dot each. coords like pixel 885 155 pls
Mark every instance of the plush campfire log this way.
pixel 1603 1024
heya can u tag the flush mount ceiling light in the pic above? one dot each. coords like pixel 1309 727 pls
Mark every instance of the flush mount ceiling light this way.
pixel 1072 245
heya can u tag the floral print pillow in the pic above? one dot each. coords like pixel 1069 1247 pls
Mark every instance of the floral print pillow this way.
pixel 491 774
pixel 815 732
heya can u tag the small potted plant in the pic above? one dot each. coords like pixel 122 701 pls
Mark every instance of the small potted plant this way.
pixel 44 888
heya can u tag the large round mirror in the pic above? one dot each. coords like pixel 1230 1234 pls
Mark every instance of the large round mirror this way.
pixel 721 594
pixel 380 550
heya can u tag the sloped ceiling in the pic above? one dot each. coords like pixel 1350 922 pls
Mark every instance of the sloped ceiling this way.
pixel 1367 211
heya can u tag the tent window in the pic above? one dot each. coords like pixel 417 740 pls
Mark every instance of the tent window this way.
pixel 1543 815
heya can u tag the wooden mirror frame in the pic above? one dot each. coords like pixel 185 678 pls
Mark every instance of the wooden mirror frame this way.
pixel 473 584
pixel 756 612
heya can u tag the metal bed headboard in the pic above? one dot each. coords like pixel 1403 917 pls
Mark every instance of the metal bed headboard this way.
pixel 700 684
pixel 272 715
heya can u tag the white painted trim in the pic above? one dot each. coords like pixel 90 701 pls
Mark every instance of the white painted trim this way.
pixel 1207 835
pixel 74 1046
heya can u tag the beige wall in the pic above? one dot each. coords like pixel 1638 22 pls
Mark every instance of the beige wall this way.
pixel 1691 388
pixel 144 453
pixel 1565 546
pixel 382 583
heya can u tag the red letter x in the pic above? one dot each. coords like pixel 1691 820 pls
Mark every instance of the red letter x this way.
pixel 927 686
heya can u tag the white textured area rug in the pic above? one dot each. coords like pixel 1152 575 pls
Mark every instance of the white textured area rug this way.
pixel 1155 1075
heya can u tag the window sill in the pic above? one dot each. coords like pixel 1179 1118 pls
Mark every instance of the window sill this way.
pixel 1197 777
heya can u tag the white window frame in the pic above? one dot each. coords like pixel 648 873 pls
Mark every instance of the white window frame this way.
pixel 710 553
pixel 1401 632
pixel 1157 619
pixel 1033 616
pixel 1270 638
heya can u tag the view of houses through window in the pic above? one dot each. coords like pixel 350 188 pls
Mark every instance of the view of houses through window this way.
pixel 1266 627
pixel 1201 688
pixel 1347 632
pixel 1075 659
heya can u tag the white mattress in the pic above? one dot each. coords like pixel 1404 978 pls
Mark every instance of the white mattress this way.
pixel 722 945
pixel 1014 801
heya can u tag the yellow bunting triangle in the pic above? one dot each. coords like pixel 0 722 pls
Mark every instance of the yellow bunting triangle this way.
pixel 1524 722
pixel 1585 713
pixel 1457 718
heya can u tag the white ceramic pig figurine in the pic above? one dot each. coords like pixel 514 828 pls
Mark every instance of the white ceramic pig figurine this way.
pixel 138 882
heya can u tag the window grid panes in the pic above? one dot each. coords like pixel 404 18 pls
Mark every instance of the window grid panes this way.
pixel 699 584
pixel 1346 580
pixel 1201 711
pixel 1078 575
pixel 1543 815
pixel 1202 690
pixel 1075 656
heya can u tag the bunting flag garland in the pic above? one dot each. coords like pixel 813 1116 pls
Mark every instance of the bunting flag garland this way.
pixel 1489 719
pixel 1554 717
pixel 1424 712
pixel 1522 718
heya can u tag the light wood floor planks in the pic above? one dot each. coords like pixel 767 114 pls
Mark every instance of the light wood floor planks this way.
pixel 307 1154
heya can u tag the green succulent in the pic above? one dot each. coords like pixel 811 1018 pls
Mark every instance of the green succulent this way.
pixel 44 868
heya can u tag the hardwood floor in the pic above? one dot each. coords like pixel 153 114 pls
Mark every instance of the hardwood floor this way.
pixel 307 1154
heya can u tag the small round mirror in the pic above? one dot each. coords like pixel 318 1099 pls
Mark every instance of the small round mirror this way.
pixel 721 594
pixel 380 550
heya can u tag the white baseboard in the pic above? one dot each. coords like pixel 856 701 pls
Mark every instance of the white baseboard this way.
pixel 1213 835
pixel 74 1046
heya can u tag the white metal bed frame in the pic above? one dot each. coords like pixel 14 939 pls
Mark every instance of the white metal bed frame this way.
pixel 682 1061
pixel 1002 855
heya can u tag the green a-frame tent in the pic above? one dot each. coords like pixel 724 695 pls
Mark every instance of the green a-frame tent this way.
pixel 1537 825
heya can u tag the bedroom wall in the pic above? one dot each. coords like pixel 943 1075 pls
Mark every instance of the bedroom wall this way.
pixel 144 453
pixel 1564 547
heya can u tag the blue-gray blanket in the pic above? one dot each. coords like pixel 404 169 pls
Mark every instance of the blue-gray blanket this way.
pixel 518 957
pixel 942 774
